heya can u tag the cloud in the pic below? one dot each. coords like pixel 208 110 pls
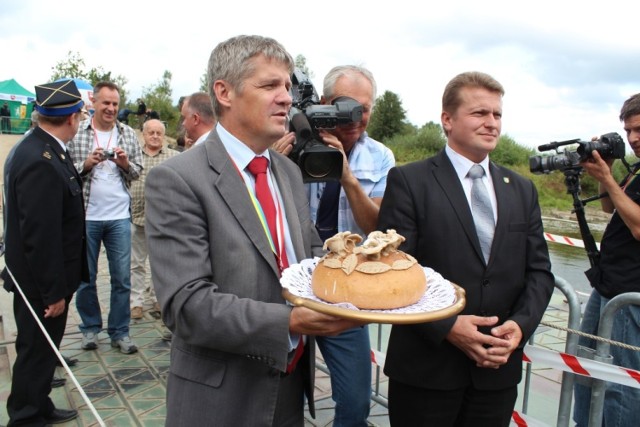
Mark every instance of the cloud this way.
pixel 566 67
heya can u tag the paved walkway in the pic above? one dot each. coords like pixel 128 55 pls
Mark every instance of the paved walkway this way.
pixel 126 390
pixel 129 390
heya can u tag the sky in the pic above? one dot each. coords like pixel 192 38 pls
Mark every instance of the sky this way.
pixel 566 67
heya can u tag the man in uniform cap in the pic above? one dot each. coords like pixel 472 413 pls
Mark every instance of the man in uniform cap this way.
pixel 45 249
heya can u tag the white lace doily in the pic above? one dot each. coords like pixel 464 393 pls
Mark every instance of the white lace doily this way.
pixel 440 292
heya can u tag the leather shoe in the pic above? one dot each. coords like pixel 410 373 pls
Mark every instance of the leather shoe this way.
pixel 58 382
pixel 70 362
pixel 59 416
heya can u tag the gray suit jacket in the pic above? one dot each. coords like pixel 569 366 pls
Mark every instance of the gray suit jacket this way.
pixel 217 282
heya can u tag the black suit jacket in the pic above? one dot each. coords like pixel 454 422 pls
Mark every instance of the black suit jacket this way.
pixel 425 202
pixel 44 220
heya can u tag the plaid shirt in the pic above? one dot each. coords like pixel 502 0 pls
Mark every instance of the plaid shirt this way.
pixel 137 186
pixel 81 146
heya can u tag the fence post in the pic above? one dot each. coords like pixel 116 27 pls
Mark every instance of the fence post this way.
pixel 571 346
pixel 605 327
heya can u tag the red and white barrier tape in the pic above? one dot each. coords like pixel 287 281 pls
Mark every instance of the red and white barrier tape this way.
pixel 561 361
pixel 517 419
pixel 564 240
pixel 377 358
pixel 579 365
pixel 564 362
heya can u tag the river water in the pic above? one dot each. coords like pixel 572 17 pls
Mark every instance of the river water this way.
pixel 570 262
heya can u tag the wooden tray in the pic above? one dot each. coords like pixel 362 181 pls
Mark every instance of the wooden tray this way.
pixel 380 316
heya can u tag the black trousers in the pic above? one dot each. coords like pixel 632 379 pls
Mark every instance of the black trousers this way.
pixel 6 124
pixel 35 364
pixel 465 407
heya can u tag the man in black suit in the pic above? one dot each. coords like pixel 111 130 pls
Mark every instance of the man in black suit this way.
pixel 45 249
pixel 464 371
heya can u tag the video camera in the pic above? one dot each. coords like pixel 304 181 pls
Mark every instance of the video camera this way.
pixel 609 146
pixel 317 161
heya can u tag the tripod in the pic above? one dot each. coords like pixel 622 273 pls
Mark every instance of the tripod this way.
pixel 572 181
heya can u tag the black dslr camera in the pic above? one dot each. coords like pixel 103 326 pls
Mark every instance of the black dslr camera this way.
pixel 317 161
pixel 609 146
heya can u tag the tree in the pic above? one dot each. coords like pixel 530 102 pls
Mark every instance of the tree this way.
pixel 74 67
pixel 433 125
pixel 158 98
pixel 509 153
pixel 388 117
pixel 301 63
pixel 417 144
pixel 204 86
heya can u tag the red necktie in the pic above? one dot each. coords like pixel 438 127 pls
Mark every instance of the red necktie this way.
pixel 296 356
pixel 258 168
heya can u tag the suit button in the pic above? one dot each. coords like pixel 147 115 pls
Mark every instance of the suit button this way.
pixel 485 282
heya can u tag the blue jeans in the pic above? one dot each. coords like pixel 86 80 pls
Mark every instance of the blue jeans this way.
pixel 621 407
pixel 116 236
pixel 348 357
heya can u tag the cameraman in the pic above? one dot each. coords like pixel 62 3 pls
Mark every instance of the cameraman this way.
pixel 352 204
pixel 617 272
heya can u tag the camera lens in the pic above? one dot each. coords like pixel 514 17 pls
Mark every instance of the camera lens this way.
pixel 320 165
pixel 535 164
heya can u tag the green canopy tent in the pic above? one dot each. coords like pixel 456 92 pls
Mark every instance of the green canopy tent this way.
pixel 20 102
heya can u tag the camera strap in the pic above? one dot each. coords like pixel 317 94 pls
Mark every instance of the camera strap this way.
pixel 633 169
pixel 97 140
pixel 624 182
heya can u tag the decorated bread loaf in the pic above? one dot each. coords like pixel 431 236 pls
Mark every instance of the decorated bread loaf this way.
pixel 374 275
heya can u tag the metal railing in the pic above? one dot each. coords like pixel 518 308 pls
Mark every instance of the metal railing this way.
pixel 605 327
pixel 18 126
pixel 571 347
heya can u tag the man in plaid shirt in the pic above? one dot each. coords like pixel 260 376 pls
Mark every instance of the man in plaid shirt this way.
pixel 107 155
pixel 153 153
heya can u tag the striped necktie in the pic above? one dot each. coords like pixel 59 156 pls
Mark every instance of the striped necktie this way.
pixel 482 210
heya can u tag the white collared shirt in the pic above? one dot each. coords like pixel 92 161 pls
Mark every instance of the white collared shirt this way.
pixel 241 155
pixel 202 138
pixel 62 144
